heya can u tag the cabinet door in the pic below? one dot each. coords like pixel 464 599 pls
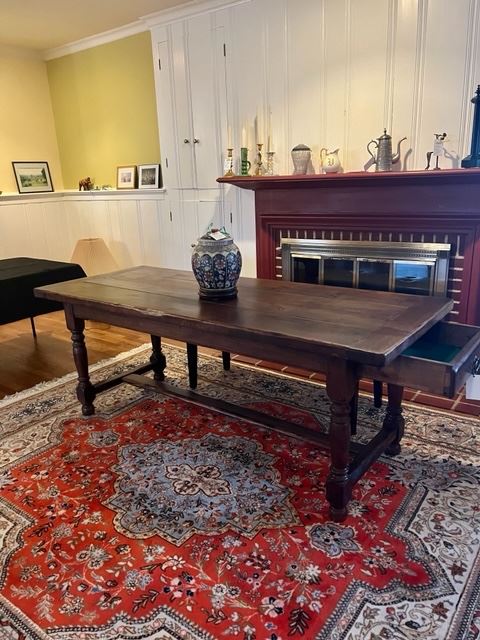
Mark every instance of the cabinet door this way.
pixel 207 68
pixel 174 249
pixel 182 116
pixel 165 107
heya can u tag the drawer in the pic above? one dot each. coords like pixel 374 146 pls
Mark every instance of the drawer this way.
pixel 439 362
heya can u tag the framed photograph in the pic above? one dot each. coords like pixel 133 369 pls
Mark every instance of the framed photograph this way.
pixel 127 177
pixel 32 177
pixel 149 176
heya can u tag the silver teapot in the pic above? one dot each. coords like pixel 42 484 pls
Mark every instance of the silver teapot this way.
pixel 384 159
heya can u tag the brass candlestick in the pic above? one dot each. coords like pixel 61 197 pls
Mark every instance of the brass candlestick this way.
pixel 259 166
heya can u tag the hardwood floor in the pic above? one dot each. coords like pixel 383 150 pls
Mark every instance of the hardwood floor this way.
pixel 25 361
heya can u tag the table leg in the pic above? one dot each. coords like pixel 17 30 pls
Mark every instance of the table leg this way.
pixel 393 420
pixel 192 361
pixel 157 359
pixel 85 390
pixel 341 386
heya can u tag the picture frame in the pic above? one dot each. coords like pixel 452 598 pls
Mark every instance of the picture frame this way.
pixel 149 176
pixel 32 177
pixel 127 177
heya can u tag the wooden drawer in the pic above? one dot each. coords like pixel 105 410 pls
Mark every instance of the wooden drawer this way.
pixel 439 362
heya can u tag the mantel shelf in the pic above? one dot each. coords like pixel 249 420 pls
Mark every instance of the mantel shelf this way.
pixel 358 178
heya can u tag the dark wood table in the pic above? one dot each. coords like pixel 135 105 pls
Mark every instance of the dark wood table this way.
pixel 347 333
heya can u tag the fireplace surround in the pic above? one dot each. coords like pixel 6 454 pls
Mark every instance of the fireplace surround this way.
pixel 395 207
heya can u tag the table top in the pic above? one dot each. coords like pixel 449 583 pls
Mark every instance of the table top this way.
pixel 370 327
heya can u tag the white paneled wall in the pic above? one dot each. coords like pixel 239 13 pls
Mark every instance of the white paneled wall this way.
pixel 137 229
pixel 334 73
pixel 327 73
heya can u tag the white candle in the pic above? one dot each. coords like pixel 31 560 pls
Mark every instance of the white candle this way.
pixel 269 145
pixel 244 137
pixel 255 125
pixel 229 137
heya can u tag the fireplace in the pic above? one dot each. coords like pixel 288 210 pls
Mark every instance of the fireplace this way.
pixel 404 267
pixel 433 207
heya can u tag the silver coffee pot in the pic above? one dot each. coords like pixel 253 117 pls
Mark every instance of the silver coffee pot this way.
pixel 384 160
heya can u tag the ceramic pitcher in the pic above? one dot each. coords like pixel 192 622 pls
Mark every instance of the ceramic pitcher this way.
pixel 329 160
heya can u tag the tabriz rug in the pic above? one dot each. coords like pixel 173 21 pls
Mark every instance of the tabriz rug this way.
pixel 159 519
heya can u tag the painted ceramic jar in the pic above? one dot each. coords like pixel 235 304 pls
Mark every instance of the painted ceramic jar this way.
pixel 216 265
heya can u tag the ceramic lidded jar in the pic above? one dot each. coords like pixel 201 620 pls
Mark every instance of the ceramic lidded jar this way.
pixel 216 265
pixel 301 156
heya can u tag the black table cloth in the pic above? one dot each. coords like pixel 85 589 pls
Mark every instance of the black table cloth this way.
pixel 18 278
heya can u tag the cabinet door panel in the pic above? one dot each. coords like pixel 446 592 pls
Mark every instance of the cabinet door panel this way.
pixel 166 113
pixel 206 58
pixel 182 114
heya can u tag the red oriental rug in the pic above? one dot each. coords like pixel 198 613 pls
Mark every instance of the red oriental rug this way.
pixel 159 519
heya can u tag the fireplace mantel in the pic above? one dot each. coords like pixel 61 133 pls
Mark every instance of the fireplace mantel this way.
pixel 438 206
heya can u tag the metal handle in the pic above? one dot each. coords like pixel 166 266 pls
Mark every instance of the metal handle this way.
pixel 186 141
pixel 195 140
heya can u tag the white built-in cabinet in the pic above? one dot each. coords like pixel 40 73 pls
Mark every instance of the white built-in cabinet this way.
pixel 190 80
pixel 190 77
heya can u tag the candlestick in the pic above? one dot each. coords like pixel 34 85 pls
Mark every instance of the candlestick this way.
pixel 270 163
pixel 259 166
pixel 473 160
pixel 228 168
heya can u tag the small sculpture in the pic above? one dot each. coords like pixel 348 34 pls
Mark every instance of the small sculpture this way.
pixel 85 184
pixel 438 150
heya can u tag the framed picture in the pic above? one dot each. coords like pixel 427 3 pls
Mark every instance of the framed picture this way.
pixel 32 177
pixel 149 176
pixel 127 177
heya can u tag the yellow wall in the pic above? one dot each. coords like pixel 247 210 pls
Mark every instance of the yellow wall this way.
pixel 27 130
pixel 105 110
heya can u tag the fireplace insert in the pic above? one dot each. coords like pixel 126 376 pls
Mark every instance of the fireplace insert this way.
pixel 404 267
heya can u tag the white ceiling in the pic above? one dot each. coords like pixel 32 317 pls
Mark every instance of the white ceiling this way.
pixel 45 24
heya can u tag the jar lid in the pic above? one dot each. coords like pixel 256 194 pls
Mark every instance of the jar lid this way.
pixel 301 147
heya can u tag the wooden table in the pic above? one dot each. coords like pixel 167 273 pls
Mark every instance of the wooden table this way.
pixel 344 332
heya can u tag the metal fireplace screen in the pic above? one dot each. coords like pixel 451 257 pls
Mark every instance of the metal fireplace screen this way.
pixel 405 267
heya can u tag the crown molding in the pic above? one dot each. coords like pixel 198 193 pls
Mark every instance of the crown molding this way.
pixel 187 10
pixel 94 41
pixel 144 23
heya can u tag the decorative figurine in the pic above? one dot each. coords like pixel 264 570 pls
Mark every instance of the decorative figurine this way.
pixel 245 163
pixel 85 184
pixel 438 150
pixel 384 159
pixel 259 166
pixel 329 161
pixel 301 156
pixel 473 160
pixel 228 168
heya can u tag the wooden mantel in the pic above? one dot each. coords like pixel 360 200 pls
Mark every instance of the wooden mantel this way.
pixel 429 206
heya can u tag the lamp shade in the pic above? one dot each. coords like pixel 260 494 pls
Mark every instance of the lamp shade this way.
pixel 94 256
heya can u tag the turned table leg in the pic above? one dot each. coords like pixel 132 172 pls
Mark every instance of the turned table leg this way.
pixel 85 390
pixel 393 420
pixel 192 362
pixel 157 359
pixel 341 387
